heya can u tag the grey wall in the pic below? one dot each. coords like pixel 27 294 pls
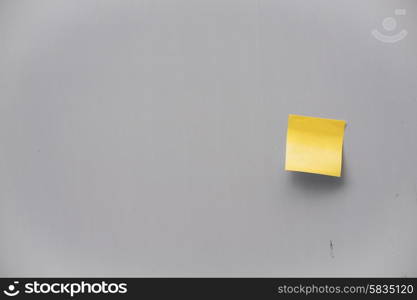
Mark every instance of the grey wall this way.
pixel 148 138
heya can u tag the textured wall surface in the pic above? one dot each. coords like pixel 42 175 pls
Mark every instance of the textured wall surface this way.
pixel 148 138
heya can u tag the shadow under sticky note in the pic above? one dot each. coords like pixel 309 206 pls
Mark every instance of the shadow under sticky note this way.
pixel 314 145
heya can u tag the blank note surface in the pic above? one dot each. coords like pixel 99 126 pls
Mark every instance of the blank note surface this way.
pixel 314 145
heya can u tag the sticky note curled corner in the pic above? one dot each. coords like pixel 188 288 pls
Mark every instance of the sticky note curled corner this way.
pixel 314 145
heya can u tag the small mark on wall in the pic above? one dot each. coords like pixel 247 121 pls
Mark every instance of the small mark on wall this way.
pixel 331 249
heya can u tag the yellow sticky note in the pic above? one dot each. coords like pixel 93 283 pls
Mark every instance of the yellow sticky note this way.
pixel 314 145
